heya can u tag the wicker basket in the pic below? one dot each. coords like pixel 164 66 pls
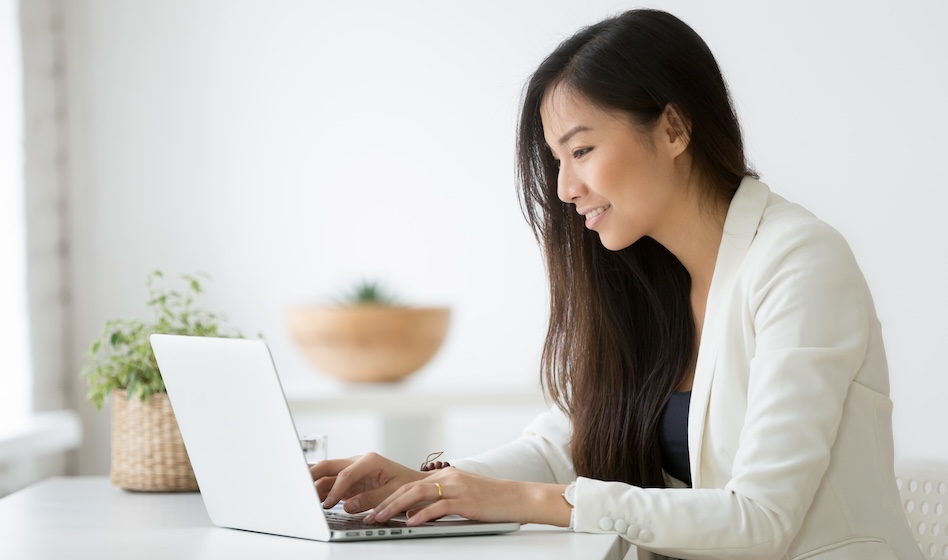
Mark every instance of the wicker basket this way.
pixel 148 453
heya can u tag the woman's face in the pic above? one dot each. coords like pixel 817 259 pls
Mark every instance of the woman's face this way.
pixel 621 179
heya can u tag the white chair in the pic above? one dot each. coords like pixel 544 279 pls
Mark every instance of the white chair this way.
pixel 924 490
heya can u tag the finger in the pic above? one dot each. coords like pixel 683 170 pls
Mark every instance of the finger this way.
pixel 386 506
pixel 411 513
pixel 349 476
pixel 324 485
pixel 330 467
pixel 431 512
pixel 367 500
pixel 411 496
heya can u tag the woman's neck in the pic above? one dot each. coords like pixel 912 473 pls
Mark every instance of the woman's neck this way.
pixel 693 233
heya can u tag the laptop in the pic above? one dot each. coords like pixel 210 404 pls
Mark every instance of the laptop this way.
pixel 246 453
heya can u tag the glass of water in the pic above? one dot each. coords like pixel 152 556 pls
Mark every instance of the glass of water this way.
pixel 315 448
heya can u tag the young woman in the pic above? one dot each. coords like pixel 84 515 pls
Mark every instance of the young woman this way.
pixel 713 350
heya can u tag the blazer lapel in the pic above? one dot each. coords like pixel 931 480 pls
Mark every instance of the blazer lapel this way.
pixel 743 216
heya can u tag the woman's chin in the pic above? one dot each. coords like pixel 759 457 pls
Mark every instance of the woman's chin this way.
pixel 613 244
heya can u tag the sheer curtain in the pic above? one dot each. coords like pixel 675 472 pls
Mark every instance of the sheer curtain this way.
pixel 15 397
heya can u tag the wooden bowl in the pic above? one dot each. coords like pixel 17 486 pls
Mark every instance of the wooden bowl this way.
pixel 369 343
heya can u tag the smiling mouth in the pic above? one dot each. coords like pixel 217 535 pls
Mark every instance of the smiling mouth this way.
pixel 592 214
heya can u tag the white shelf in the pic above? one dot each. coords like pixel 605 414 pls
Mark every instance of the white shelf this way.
pixel 401 400
pixel 411 417
pixel 40 434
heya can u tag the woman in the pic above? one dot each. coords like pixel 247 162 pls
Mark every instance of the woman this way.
pixel 713 350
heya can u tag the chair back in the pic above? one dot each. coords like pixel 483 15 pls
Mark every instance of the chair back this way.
pixel 924 490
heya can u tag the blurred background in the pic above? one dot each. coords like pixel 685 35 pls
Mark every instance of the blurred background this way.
pixel 289 149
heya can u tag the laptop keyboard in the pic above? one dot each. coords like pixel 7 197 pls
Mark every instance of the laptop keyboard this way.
pixel 341 521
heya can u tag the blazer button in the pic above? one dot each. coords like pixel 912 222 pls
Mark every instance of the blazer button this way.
pixel 605 523
pixel 620 526
pixel 646 535
pixel 633 532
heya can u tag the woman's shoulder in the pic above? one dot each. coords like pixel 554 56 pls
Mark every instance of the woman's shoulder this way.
pixel 791 241
pixel 774 243
pixel 787 227
pixel 762 216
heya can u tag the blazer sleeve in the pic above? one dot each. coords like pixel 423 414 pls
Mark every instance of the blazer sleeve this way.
pixel 540 454
pixel 810 310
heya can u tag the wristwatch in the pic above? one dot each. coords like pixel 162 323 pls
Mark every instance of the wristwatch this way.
pixel 570 496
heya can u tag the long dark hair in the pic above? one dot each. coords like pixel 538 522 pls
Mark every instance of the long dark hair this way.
pixel 621 331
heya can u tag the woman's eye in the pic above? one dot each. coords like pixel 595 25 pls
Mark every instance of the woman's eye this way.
pixel 581 152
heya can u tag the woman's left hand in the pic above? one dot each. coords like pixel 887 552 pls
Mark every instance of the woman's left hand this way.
pixel 454 492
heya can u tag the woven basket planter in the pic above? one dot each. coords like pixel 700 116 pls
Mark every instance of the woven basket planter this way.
pixel 148 453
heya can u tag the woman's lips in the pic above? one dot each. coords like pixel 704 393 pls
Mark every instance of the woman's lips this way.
pixel 595 215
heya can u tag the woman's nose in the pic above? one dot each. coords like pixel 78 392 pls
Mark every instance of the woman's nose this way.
pixel 568 186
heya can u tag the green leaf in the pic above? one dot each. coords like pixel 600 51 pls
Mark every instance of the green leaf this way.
pixel 368 292
pixel 122 358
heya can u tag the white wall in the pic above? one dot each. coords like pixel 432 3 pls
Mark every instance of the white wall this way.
pixel 290 148
pixel 15 396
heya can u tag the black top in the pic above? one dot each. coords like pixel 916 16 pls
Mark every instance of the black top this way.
pixel 673 437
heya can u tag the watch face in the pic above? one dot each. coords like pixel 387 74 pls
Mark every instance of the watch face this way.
pixel 570 494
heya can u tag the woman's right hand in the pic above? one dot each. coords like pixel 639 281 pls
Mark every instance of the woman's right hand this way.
pixel 362 482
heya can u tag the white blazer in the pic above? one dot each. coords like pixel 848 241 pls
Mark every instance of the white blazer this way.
pixel 790 425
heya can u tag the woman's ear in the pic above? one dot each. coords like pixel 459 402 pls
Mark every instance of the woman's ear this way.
pixel 675 129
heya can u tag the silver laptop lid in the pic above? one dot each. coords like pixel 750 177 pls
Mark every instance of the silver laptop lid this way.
pixel 244 446
pixel 240 436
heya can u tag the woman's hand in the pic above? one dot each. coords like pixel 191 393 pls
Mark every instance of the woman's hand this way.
pixel 363 482
pixel 453 492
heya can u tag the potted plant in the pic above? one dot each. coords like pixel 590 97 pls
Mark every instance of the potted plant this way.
pixel 367 336
pixel 147 450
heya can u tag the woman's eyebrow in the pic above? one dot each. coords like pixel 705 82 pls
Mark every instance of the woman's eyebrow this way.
pixel 572 132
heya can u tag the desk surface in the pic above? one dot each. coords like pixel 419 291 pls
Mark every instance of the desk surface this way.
pixel 88 518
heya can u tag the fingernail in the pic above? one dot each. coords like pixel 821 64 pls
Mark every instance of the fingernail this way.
pixel 383 514
pixel 370 517
pixel 352 504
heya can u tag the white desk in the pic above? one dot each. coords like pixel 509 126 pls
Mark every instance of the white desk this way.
pixel 88 518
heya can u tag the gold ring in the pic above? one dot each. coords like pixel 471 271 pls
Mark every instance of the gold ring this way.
pixel 440 492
